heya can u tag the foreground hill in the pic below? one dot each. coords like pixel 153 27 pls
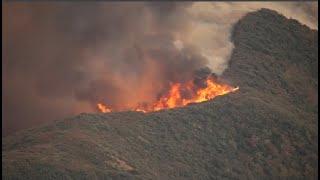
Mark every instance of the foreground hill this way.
pixel 266 130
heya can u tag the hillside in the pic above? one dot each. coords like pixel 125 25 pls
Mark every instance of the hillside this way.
pixel 266 130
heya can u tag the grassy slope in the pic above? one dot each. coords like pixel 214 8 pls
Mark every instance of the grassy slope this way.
pixel 266 130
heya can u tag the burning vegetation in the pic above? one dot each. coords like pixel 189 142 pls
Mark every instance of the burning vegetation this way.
pixel 181 94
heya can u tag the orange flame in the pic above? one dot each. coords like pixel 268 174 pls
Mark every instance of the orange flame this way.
pixel 174 97
pixel 103 108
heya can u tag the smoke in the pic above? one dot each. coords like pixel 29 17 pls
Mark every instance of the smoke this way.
pixel 61 58
pixel 212 21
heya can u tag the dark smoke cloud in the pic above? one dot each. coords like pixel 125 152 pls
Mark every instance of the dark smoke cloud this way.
pixel 61 58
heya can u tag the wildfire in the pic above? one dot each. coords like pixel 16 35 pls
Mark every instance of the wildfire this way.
pixel 182 94
pixel 103 108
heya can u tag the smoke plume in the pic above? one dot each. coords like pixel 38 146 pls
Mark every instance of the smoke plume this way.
pixel 61 58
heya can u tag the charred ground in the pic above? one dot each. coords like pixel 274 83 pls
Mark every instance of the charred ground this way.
pixel 268 129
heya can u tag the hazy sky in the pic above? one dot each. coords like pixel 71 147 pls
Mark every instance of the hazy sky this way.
pixel 61 58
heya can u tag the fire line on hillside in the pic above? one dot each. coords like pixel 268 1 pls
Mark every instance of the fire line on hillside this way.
pixel 181 94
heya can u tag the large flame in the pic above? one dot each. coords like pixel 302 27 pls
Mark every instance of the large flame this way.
pixel 182 94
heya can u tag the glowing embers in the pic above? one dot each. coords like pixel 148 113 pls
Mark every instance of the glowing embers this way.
pixel 182 94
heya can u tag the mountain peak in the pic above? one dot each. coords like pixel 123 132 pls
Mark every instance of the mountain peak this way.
pixel 271 52
pixel 266 130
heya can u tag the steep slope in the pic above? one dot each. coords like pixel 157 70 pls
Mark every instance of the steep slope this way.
pixel 266 130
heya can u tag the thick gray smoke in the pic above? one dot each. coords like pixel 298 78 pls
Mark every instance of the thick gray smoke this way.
pixel 62 58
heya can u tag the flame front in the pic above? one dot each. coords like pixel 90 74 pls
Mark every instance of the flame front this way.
pixel 175 97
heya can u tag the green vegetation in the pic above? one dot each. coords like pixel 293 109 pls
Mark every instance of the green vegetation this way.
pixel 266 130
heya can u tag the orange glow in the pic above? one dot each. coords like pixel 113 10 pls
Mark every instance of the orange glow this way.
pixel 175 98
pixel 103 108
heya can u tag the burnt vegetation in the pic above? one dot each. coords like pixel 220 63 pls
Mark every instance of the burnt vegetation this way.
pixel 266 130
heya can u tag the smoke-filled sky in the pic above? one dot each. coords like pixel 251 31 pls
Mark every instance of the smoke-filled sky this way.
pixel 61 58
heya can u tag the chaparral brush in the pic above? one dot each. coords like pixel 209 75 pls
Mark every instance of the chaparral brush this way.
pixel 181 94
